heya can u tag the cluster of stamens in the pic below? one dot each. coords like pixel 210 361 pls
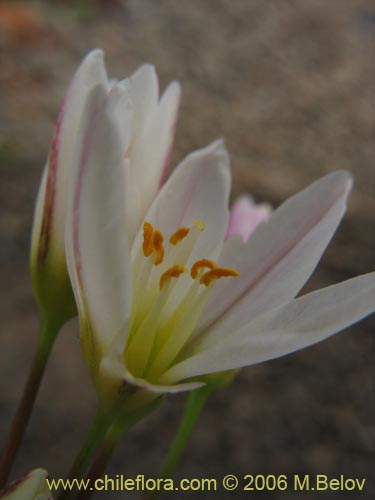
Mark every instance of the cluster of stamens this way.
pixel 153 245
pixel 164 315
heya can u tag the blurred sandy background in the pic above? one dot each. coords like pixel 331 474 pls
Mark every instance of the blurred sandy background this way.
pixel 290 85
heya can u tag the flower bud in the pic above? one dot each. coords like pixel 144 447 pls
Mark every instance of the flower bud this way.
pixel 50 280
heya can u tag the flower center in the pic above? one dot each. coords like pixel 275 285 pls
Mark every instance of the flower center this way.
pixel 167 299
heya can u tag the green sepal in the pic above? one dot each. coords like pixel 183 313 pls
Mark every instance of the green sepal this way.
pixel 52 291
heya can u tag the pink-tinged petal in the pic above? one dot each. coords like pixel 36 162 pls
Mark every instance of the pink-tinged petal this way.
pixel 198 189
pixel 245 216
pixel 96 240
pixel 37 254
pixel 49 222
pixel 289 328
pixel 279 256
pixel 50 280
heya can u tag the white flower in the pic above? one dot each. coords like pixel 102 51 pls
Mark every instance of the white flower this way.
pixel 154 312
pixel 147 127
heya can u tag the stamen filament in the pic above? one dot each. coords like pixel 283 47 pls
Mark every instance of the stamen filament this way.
pixel 166 310
pixel 141 342
pixel 180 328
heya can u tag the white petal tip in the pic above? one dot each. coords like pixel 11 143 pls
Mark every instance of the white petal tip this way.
pixel 174 86
pixel 219 149
pixel 146 69
pixel 343 177
pixel 172 95
pixel 146 85
pixel 217 146
pixel 97 54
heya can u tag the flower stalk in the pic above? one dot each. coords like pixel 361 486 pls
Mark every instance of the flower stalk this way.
pixel 195 403
pixel 107 429
pixel 194 406
pixel 104 454
pixel 47 336
pixel 99 465
pixel 193 409
pixel 94 437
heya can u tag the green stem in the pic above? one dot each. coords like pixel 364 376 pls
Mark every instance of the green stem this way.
pixel 106 430
pixel 195 403
pixel 193 408
pixel 124 419
pixel 100 463
pixel 93 439
pixel 46 340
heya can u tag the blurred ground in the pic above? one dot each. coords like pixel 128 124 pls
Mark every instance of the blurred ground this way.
pixel 290 85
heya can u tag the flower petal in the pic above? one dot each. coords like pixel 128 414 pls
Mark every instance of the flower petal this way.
pixel 245 215
pixel 167 119
pixel 49 221
pixel 198 189
pixel 279 256
pixel 144 94
pixel 302 322
pixel 113 375
pixel 96 240
pixel 150 151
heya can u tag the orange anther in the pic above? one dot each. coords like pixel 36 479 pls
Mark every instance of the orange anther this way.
pixel 158 240
pixel 179 235
pixel 201 264
pixel 219 272
pixel 148 238
pixel 172 272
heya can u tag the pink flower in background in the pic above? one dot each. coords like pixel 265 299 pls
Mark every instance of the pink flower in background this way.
pixel 245 215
